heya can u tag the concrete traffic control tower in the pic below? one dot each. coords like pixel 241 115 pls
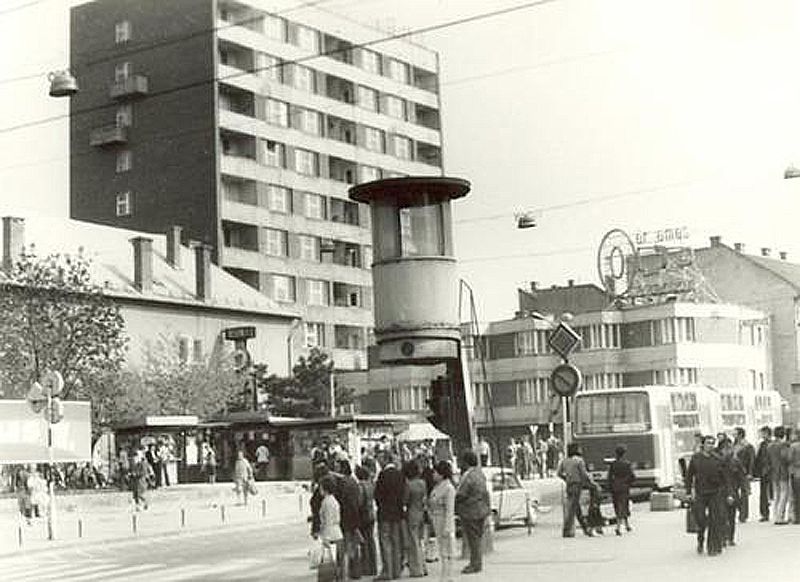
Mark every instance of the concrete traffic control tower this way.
pixel 416 287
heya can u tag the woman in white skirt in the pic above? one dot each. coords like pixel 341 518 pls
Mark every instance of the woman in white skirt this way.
pixel 441 506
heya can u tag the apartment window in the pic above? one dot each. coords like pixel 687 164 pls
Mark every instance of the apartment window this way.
pixel 273 153
pixel 124 117
pixel 183 349
pixel 124 161
pixel 367 98
pixel 124 204
pixel 309 247
pixel 307 38
pixel 315 206
pixel 122 32
pixel 309 121
pixel 315 335
pixel 283 288
pixel 395 107
pixel 303 78
pixel 371 61
pixel 123 72
pixel 277 112
pixel 275 27
pixel 278 199
pixel 398 71
pixel 269 67
pixel 305 162
pixel 276 242
pixel 373 139
pixel 317 292
pixel 368 174
pixel 402 147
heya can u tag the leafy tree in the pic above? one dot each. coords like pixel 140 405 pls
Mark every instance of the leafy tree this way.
pixel 307 392
pixel 166 384
pixel 53 316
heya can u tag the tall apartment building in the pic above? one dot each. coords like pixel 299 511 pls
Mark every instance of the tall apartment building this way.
pixel 246 123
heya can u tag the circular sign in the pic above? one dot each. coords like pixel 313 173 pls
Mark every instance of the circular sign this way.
pixel 53 382
pixel 565 380
pixel 407 349
pixel 616 261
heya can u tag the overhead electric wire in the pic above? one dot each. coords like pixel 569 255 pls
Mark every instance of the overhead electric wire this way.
pixel 396 36
pixel 21 6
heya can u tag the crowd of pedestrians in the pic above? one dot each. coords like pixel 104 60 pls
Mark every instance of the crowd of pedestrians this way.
pixel 404 498
pixel 718 482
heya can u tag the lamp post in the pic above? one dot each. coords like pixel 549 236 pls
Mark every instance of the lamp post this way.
pixel 289 351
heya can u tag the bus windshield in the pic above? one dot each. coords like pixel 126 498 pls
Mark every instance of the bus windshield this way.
pixel 612 413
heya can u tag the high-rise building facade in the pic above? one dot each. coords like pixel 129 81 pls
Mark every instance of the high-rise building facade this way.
pixel 245 123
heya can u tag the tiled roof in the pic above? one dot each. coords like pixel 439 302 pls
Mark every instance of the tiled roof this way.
pixel 111 254
pixel 789 272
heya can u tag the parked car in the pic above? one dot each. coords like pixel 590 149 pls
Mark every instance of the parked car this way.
pixel 511 502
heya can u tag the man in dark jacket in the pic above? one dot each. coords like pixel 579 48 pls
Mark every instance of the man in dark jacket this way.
pixel 737 480
pixel 472 507
pixel 706 485
pixel 778 455
pixel 349 499
pixel 391 496
pixel 573 472
pixel 761 470
pixel 746 454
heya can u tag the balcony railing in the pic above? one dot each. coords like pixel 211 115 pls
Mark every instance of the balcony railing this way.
pixel 134 86
pixel 108 135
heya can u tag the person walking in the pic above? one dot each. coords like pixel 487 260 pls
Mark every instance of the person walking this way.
pixel 620 479
pixel 473 507
pixel 155 463
pixel 141 478
pixel 572 470
pixel 366 522
pixel 210 463
pixel 746 454
pixel 778 456
pixel 262 461
pixel 23 493
pixel 705 484
pixel 736 480
pixel 761 470
pixel 485 451
pixel 37 488
pixel 242 477
pixel 441 507
pixel 391 496
pixel 415 519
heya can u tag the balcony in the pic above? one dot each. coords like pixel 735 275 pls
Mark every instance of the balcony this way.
pixel 130 88
pixel 108 135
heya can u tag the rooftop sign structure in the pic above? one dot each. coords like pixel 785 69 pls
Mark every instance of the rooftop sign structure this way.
pixel 641 273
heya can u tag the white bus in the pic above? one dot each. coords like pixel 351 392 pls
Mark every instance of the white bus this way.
pixel 658 425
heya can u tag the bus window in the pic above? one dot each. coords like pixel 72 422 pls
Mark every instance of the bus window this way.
pixel 604 413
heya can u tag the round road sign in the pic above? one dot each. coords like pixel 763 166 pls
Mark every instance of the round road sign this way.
pixel 565 380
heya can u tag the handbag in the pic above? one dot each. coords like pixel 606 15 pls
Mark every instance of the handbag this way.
pixel 692 526
pixel 326 572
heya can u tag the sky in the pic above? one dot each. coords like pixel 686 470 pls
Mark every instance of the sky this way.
pixel 592 114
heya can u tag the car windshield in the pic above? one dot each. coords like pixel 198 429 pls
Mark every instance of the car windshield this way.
pixel 504 481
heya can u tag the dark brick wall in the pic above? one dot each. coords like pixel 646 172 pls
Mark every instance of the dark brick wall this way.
pixel 173 137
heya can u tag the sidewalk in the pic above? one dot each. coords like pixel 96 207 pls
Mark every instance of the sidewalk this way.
pixel 92 517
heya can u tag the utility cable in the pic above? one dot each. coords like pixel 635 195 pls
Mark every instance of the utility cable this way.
pixel 305 59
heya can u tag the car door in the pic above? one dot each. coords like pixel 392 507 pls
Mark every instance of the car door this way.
pixel 509 497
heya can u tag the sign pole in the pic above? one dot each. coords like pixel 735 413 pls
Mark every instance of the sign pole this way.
pixel 51 498
pixel 565 420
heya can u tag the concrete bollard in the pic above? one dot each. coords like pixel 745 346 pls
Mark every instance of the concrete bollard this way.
pixel 19 535
pixel 80 528
pixel 183 517
pixel 300 502
pixel 263 508
pixel 222 513
pixel 135 523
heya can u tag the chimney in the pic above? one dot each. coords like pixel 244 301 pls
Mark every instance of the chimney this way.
pixel 13 240
pixel 570 282
pixel 533 285
pixel 174 246
pixel 738 247
pixel 143 263
pixel 202 270
pixel 716 241
pixel 783 255
pixel 765 251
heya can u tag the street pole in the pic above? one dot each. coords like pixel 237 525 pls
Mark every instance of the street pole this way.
pixel 51 500
pixel 565 421
pixel 332 387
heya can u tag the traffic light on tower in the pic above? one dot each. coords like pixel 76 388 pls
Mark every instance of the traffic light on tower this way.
pixel 439 405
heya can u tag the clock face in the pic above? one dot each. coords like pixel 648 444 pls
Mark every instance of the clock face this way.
pixel 616 258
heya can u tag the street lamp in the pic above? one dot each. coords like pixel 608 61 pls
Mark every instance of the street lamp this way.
pixel 62 84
